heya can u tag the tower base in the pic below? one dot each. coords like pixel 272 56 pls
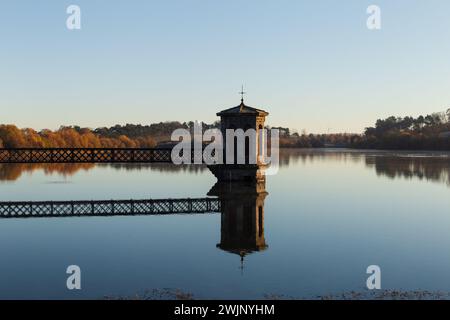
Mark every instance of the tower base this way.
pixel 238 172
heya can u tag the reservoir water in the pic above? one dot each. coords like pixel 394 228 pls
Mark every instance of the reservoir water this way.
pixel 327 215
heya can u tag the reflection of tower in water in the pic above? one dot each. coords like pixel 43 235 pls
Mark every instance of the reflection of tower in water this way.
pixel 242 220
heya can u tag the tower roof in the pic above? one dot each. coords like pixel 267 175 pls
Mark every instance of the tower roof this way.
pixel 242 109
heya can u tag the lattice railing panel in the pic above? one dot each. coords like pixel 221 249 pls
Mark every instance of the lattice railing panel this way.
pixel 83 155
pixel 107 208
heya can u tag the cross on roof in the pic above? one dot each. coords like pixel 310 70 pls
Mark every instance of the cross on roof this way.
pixel 242 94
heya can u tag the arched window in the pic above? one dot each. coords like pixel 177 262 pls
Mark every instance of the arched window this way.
pixel 260 141
pixel 247 145
pixel 234 157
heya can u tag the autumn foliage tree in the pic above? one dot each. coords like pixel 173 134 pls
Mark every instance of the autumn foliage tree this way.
pixel 67 137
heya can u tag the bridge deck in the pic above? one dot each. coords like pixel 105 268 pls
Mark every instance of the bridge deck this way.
pixel 108 207
pixel 85 155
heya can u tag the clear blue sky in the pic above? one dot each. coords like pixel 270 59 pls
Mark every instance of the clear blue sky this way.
pixel 312 64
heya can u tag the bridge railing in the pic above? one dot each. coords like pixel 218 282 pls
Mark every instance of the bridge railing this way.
pixel 22 209
pixel 88 155
pixel 83 155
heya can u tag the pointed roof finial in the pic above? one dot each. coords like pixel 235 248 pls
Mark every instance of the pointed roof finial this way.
pixel 242 94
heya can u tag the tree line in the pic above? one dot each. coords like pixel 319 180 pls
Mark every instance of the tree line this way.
pixel 430 132
pixel 68 137
pixel 139 136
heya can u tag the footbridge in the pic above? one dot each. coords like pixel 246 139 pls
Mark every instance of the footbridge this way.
pixel 85 155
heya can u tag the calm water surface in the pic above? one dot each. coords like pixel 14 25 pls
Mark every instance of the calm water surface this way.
pixel 327 216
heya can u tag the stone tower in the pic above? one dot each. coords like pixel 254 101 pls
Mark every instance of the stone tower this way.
pixel 241 117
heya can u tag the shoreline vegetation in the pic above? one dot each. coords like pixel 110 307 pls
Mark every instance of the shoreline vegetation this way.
pixel 431 132
pixel 364 294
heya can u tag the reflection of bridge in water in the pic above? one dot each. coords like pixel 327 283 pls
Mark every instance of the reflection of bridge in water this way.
pixel 103 208
pixel 241 204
